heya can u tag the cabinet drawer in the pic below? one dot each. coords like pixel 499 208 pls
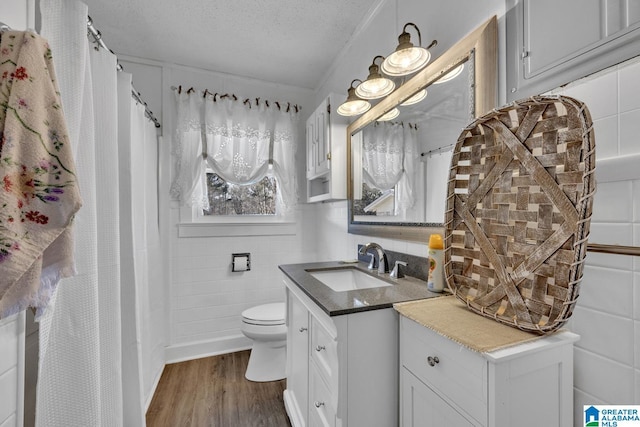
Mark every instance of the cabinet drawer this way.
pixel 459 375
pixel 321 410
pixel 324 351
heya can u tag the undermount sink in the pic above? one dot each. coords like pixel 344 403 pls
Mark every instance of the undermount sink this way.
pixel 348 279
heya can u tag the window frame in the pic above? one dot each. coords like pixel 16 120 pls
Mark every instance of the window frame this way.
pixel 193 223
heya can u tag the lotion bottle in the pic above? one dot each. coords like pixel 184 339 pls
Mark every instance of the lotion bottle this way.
pixel 435 281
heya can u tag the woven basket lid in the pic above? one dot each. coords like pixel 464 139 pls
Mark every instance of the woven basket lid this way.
pixel 519 202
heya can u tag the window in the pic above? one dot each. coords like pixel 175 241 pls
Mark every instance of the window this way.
pixel 226 199
pixel 220 140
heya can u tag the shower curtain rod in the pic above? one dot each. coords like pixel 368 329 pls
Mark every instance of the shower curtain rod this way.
pixel 97 38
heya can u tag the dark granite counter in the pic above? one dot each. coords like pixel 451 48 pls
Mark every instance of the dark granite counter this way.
pixel 337 303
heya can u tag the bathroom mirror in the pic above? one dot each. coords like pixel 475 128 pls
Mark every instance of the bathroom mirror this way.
pixel 397 169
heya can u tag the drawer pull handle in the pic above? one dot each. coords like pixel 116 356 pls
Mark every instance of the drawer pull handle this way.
pixel 319 348
pixel 302 329
pixel 318 404
pixel 433 360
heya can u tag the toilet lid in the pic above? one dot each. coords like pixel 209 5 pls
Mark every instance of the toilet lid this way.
pixel 266 314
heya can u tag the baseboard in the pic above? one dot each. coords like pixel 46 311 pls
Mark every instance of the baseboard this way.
pixel 293 411
pixel 152 392
pixel 197 350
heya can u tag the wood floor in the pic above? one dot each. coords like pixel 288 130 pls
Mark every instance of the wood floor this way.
pixel 212 391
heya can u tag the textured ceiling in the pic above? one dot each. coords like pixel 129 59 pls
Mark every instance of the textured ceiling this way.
pixel 292 42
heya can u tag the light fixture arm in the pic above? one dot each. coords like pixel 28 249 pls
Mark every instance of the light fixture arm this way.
pixel 374 59
pixel 404 38
pixel 374 69
pixel 404 31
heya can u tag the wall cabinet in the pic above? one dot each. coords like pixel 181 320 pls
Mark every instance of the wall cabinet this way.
pixel 326 134
pixel 551 43
pixel 443 383
pixel 342 370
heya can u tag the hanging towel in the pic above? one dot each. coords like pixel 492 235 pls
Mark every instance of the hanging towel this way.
pixel 39 193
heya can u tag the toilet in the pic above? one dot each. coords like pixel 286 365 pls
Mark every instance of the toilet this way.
pixel 265 325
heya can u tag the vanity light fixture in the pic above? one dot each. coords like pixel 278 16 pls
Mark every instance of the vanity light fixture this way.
pixel 407 58
pixel 450 75
pixel 389 115
pixel 376 86
pixel 415 98
pixel 354 105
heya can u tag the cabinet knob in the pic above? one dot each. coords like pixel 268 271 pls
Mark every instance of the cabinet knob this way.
pixel 302 329
pixel 320 348
pixel 433 360
pixel 318 404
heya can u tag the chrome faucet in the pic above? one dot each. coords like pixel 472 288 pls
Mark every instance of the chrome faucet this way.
pixel 383 265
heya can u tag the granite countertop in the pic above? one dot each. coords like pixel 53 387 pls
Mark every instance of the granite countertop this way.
pixel 338 303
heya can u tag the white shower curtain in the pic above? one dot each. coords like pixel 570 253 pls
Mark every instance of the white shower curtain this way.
pixel 142 297
pixel 100 352
pixel 79 379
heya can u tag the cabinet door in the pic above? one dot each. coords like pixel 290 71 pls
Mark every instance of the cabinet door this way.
pixel 422 407
pixel 324 139
pixel 551 43
pixel 551 35
pixel 311 147
pixel 298 357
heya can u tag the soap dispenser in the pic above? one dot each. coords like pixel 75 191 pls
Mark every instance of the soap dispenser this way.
pixel 435 281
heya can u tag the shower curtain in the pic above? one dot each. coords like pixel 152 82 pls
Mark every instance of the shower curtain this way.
pixel 79 379
pixel 99 353
pixel 142 298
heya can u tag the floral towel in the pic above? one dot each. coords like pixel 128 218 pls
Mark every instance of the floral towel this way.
pixel 39 193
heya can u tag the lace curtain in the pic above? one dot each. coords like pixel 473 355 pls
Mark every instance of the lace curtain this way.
pixel 238 141
pixel 389 157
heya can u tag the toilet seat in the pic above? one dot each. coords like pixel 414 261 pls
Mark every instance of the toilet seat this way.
pixel 265 315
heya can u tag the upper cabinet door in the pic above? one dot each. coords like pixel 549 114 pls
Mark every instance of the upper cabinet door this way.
pixel 311 147
pixel 326 152
pixel 551 43
pixel 551 36
pixel 324 139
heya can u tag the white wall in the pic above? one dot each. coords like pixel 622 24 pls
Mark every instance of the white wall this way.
pixel 607 315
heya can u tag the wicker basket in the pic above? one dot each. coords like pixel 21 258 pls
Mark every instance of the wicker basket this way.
pixel 519 201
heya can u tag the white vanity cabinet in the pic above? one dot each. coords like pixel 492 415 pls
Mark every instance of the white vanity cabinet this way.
pixel 445 384
pixel 343 370
pixel 551 43
pixel 326 134
pixel 296 395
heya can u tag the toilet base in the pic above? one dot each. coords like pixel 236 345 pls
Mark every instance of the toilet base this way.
pixel 267 361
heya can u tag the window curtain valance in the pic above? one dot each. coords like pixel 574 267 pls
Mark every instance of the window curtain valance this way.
pixel 238 140
pixel 389 157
